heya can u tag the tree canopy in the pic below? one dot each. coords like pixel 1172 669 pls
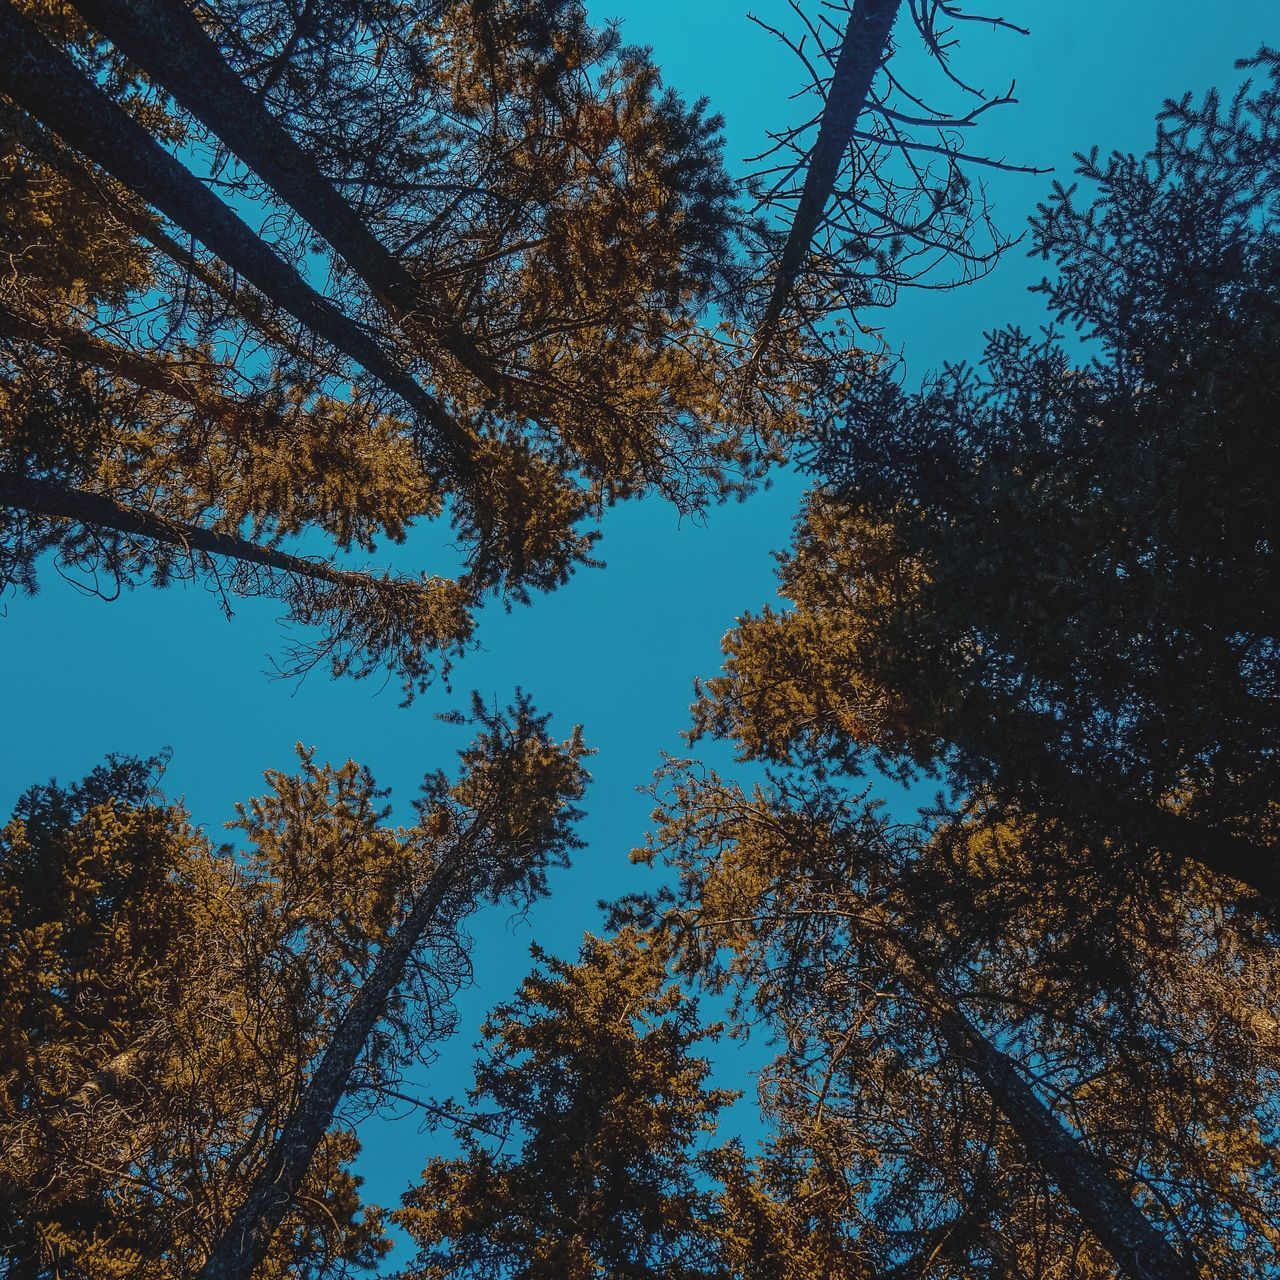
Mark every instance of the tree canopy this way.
pixel 288 282
pixel 527 249
pixel 1049 576
pixel 590 1070
pixel 184 1022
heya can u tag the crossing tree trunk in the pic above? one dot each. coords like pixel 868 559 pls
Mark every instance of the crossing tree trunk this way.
pixel 44 82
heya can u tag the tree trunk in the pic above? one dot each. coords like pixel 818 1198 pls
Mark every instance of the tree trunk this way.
pixel 1223 853
pixel 244 1243
pixel 44 498
pixel 166 40
pixel 1105 1207
pixel 245 301
pixel 44 82
pixel 862 51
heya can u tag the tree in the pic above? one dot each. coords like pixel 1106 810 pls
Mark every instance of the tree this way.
pixel 785 1216
pixel 591 1071
pixel 874 189
pixel 492 835
pixel 977 1098
pixel 131 464
pixel 1012 1032
pixel 193 1031
pixel 1054 577
pixel 153 1024
pixel 863 52
pixel 525 235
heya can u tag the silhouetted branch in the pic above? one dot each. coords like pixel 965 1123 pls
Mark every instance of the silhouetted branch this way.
pixel 884 173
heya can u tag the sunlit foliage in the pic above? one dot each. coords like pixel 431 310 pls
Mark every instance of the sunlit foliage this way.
pixel 166 1001
pixel 561 241
pixel 591 1071
pixel 1055 576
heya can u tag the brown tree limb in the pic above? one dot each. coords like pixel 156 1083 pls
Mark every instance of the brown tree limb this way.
pixel 165 377
pixel 62 502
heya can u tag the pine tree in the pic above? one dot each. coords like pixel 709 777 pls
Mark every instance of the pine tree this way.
pixel 488 836
pixel 186 1025
pixel 591 1071
pixel 153 1025
pixel 131 463
pixel 1055 577
pixel 1000 1098
pixel 530 247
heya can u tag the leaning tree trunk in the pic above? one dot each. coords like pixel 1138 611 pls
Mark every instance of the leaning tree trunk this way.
pixel 134 216
pixel 44 82
pixel 242 1246
pixel 1105 1207
pixel 168 42
pixel 248 303
pixel 862 52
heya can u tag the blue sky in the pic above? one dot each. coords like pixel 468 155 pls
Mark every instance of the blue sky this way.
pixel 618 648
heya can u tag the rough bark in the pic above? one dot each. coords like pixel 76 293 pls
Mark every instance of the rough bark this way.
pixel 45 498
pixel 862 52
pixel 167 41
pixel 243 1245
pixel 44 82
pixel 1105 1207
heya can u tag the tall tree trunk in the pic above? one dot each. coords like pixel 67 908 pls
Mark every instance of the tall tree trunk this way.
pixel 248 303
pixel 134 216
pixel 44 498
pixel 242 1246
pixel 1105 1207
pixel 862 54
pixel 166 39
pixel 43 81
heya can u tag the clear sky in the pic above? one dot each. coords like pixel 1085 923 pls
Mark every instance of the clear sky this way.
pixel 618 648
